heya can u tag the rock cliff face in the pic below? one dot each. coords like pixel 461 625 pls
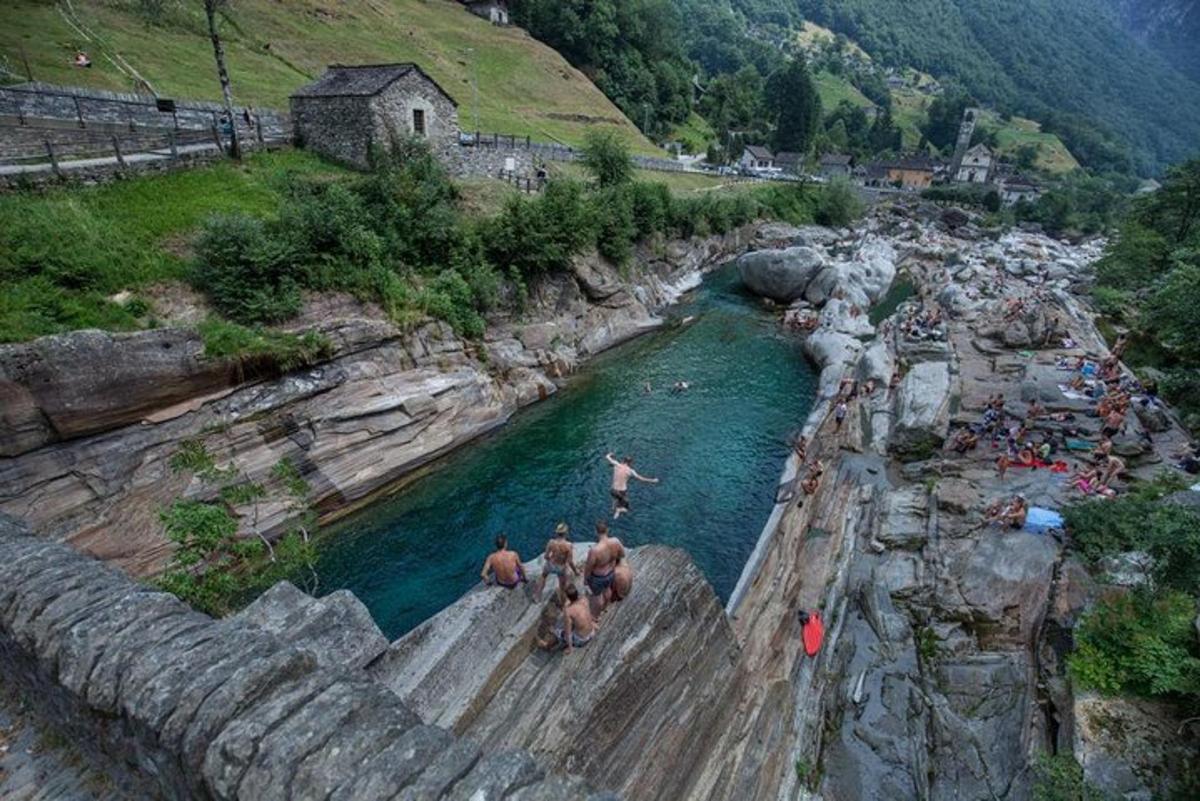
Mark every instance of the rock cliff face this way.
pixel 636 711
pixel 91 420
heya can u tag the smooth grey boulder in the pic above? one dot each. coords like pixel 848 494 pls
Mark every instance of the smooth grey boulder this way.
pixel 780 275
pixel 922 411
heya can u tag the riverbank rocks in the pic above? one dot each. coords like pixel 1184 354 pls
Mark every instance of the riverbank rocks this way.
pixel 780 275
pixel 85 382
pixel 922 412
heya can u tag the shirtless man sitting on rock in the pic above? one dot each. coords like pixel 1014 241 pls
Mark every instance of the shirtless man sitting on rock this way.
pixel 622 472
pixel 557 561
pixel 622 583
pixel 576 628
pixel 599 572
pixel 504 565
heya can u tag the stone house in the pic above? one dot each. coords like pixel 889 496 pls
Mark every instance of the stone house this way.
pixel 756 158
pixel 1017 188
pixel 976 165
pixel 836 165
pixel 352 108
pixel 911 172
pixel 495 11
pixel 789 162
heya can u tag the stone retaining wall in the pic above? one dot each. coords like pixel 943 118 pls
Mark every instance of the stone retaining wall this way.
pixel 173 704
pixel 87 106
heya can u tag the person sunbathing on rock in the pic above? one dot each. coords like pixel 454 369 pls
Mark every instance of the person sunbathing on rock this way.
pixel 1102 451
pixel 503 565
pixel 622 472
pixel 812 481
pixel 1113 467
pixel 600 568
pixel 557 561
pixel 1014 513
pixel 576 628
pixel 800 446
pixel 1114 421
pixel 1035 410
pixel 964 440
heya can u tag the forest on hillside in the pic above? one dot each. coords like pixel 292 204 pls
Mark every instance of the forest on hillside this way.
pixel 1069 64
pixel 1066 63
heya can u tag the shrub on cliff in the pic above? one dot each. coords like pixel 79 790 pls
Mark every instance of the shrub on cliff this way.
pixel 1141 643
pixel 539 236
pixel 247 272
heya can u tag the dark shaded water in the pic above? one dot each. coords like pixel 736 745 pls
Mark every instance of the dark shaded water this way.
pixel 719 449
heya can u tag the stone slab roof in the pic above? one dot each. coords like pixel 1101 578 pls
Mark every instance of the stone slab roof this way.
pixel 362 80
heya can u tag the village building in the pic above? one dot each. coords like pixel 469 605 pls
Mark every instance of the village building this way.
pixel 976 165
pixel 495 11
pixel 1018 188
pixel 836 165
pixel 789 162
pixel 756 158
pixel 351 109
pixel 909 173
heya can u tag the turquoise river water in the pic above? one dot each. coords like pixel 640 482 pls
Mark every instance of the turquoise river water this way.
pixel 718 449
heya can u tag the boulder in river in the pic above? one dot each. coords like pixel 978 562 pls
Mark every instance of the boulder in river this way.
pixel 780 275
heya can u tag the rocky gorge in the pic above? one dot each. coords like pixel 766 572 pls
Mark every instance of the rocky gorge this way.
pixel 91 421
pixel 941 674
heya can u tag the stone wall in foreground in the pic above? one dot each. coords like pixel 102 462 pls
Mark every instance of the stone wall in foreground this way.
pixel 173 704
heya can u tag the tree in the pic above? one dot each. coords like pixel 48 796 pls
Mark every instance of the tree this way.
pixel 210 11
pixel 607 159
pixel 945 118
pixel 795 107
pixel 884 136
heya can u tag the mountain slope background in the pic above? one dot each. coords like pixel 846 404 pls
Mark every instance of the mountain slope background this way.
pixel 1070 64
pixel 273 48
pixel 1170 26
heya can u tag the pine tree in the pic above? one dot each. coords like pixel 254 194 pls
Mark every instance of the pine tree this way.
pixel 792 100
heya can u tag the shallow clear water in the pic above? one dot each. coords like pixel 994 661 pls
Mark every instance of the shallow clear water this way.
pixel 718 448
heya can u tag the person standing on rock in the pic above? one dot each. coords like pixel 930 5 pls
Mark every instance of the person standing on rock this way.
pixel 557 561
pixel 599 571
pixel 503 565
pixel 577 626
pixel 622 472
pixel 839 415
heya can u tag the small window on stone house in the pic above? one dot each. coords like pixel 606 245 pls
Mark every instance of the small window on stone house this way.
pixel 419 121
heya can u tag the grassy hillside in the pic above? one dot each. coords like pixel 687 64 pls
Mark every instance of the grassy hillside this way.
pixel 1017 132
pixel 834 90
pixel 274 47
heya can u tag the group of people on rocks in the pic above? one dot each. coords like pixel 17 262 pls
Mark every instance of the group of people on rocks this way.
pixel 606 574
pixel 924 323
